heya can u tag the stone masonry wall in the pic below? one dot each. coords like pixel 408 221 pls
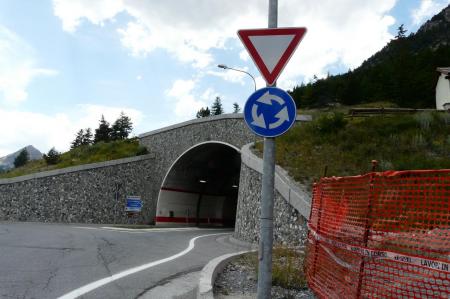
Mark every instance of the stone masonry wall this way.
pixel 289 225
pixel 169 143
pixel 82 194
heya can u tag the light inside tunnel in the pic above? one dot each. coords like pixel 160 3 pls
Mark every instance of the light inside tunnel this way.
pixel 201 187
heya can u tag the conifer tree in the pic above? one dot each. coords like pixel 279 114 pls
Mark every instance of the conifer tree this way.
pixel 236 108
pixel 87 137
pixel 22 158
pixel 78 139
pixel 103 133
pixel 52 157
pixel 401 32
pixel 121 128
pixel 203 112
pixel 216 108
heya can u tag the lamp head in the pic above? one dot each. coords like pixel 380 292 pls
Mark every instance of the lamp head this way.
pixel 222 66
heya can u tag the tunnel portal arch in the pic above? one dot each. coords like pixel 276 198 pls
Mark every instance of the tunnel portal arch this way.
pixel 201 187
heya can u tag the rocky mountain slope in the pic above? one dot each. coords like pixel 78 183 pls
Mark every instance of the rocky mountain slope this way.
pixel 403 72
pixel 7 162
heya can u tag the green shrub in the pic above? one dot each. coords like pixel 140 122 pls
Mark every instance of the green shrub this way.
pixel 83 154
pixel 52 157
pixel 330 122
pixel 345 146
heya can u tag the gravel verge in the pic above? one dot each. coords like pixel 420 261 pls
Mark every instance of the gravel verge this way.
pixel 238 280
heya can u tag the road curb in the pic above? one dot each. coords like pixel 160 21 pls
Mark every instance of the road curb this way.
pixel 211 270
pixel 249 246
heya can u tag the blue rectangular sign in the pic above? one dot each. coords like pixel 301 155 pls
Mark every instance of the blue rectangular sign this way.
pixel 134 204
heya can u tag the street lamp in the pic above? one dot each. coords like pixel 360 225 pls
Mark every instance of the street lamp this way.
pixel 225 67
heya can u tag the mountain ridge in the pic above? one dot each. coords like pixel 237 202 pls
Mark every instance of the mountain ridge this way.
pixel 7 162
pixel 403 72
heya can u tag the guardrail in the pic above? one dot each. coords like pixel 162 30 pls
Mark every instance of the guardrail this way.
pixel 377 111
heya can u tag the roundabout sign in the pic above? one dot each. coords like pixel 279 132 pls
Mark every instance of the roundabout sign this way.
pixel 270 112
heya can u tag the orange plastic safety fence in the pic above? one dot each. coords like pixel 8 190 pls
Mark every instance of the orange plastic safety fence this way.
pixel 381 235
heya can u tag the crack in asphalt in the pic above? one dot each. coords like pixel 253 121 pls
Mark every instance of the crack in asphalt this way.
pixel 105 245
pixel 101 256
pixel 49 279
pixel 168 279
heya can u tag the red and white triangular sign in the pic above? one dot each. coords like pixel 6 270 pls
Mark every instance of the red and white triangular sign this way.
pixel 271 48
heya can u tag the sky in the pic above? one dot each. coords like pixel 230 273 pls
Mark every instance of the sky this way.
pixel 65 63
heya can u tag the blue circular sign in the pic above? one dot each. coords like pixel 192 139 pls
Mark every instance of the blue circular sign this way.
pixel 270 112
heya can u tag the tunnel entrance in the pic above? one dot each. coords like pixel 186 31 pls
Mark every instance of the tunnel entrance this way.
pixel 201 187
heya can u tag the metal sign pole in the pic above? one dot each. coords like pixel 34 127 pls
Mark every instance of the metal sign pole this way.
pixel 267 198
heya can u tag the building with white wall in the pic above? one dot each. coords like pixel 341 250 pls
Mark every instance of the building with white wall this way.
pixel 443 89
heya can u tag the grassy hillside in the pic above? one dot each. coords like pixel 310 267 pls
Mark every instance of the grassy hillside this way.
pixel 98 152
pixel 347 145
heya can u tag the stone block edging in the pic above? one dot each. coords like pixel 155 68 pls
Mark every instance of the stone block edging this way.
pixel 284 184
pixel 74 169
pixel 211 270
pixel 209 119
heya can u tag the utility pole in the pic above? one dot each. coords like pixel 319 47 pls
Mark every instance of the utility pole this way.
pixel 267 196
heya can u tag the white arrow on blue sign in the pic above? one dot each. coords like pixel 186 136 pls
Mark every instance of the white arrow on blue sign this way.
pixel 270 112
pixel 134 204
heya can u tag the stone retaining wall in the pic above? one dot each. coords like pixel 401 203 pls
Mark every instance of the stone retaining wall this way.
pixel 81 194
pixel 291 205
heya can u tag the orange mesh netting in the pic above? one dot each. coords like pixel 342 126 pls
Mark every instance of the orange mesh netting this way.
pixel 381 235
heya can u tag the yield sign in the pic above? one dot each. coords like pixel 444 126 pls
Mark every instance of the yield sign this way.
pixel 271 48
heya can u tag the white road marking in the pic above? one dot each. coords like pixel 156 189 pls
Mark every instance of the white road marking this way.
pixel 169 229
pixel 101 282
pixel 141 230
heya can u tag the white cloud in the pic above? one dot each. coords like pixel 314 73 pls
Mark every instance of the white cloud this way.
pixel 17 67
pixel 139 77
pixel 209 94
pixel 97 12
pixel 58 130
pixel 230 75
pixel 187 29
pixel 90 114
pixel 186 104
pixel 427 9
pixel 243 55
pixel 342 32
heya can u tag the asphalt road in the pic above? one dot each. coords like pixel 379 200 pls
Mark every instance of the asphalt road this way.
pixel 51 260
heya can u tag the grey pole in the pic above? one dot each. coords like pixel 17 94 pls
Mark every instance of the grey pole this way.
pixel 267 195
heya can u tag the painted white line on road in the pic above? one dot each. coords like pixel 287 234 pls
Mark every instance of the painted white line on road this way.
pixel 168 229
pixel 101 282
pixel 141 230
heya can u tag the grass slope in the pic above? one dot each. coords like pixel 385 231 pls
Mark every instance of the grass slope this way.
pixel 346 145
pixel 98 152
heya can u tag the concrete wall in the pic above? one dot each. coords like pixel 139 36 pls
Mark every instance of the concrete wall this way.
pixel 181 207
pixel 81 194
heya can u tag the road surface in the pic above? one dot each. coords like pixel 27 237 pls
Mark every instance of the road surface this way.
pixel 80 261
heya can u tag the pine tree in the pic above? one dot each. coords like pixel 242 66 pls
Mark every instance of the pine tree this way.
pixel 203 112
pixel 86 138
pixel 401 32
pixel 103 133
pixel 236 108
pixel 78 139
pixel 52 157
pixel 22 158
pixel 216 108
pixel 121 128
